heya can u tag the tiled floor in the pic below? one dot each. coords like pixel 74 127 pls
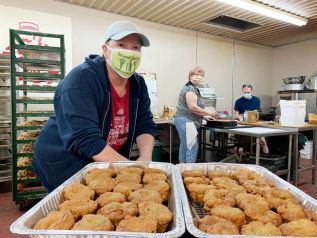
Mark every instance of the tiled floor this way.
pixel 9 212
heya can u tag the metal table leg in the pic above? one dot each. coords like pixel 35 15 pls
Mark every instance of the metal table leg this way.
pixel 289 160
pixel 314 159
pixel 204 144
pixel 295 162
pixel 257 152
pixel 171 142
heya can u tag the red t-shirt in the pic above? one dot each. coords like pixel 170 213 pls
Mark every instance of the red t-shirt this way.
pixel 119 128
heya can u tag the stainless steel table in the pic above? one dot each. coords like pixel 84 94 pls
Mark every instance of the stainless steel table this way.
pixel 170 122
pixel 258 132
pixel 297 130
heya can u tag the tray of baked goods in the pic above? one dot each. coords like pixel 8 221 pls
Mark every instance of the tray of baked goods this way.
pixel 118 199
pixel 236 200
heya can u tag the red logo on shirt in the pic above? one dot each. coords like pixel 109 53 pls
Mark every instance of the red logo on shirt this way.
pixel 119 128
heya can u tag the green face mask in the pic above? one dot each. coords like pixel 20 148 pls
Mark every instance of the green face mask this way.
pixel 124 62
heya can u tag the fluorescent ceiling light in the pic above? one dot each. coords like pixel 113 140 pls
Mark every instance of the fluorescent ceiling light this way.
pixel 266 11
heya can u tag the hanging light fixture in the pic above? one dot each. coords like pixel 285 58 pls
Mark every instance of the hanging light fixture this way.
pixel 267 11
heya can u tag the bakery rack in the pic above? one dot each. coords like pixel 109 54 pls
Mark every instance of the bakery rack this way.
pixel 5 120
pixel 37 65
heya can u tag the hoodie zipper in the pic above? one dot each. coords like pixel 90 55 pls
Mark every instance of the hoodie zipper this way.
pixel 136 115
pixel 104 118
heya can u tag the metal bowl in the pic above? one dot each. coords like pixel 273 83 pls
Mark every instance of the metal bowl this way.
pixel 293 80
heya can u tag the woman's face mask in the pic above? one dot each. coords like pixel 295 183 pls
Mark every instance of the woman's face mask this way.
pixel 247 95
pixel 124 62
pixel 197 79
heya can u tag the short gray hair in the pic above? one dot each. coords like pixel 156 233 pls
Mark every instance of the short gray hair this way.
pixel 196 70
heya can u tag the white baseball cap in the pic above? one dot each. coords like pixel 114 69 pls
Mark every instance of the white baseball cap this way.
pixel 120 29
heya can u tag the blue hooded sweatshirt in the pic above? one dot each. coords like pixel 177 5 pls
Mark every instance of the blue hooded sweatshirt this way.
pixel 80 126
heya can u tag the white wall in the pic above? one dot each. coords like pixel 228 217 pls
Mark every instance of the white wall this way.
pixel 172 53
pixel 293 60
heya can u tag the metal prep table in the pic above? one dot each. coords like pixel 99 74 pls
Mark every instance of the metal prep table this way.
pixel 258 132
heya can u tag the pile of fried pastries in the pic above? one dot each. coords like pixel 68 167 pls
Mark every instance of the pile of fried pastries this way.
pixel 243 202
pixel 28 135
pixel 133 199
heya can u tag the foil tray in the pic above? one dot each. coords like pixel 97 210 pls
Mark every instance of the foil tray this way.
pixel 24 224
pixel 193 211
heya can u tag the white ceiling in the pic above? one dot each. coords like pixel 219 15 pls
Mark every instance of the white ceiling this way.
pixel 190 14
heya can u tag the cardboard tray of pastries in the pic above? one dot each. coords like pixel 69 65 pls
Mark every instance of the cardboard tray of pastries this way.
pixel 118 199
pixel 243 200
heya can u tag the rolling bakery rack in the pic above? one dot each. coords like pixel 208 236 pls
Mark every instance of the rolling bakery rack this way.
pixel 5 120
pixel 37 65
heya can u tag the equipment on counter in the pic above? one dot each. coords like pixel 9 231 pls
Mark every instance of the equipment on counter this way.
pixel 311 81
pixel 294 83
pixel 222 123
pixel 209 96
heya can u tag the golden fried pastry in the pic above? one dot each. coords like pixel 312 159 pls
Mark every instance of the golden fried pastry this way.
pixel 27 148
pixel 233 214
pixel 270 217
pixel 228 184
pixel 131 170
pixel 197 192
pixel 302 228
pixel 109 197
pixel 24 161
pixel 217 197
pixel 94 222
pixel 59 220
pixel 193 173
pixel 103 185
pixel 128 177
pixel 28 135
pixel 291 211
pixel 226 228
pixel 143 195
pixel 78 191
pixel 242 175
pixel 198 180
pixel 159 211
pixel 127 187
pixel 311 215
pixel 277 197
pixel 256 186
pixel 153 170
pixel 217 174
pixel 149 177
pixel 258 228
pixel 253 206
pixel 26 174
pixel 79 207
pixel 138 224
pixel 161 187
pixel 99 174
pixel 217 225
pixel 116 211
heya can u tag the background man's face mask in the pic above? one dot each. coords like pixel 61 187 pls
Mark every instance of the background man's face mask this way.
pixel 124 62
pixel 197 79
pixel 247 95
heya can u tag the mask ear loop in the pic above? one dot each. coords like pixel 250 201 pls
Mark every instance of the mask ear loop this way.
pixel 110 48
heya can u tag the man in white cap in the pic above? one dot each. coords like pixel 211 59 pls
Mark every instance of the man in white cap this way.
pixel 101 108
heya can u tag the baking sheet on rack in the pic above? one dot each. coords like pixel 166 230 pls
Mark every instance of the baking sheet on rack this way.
pixel 192 211
pixel 50 203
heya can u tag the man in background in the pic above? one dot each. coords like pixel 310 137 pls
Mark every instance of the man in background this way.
pixel 248 102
